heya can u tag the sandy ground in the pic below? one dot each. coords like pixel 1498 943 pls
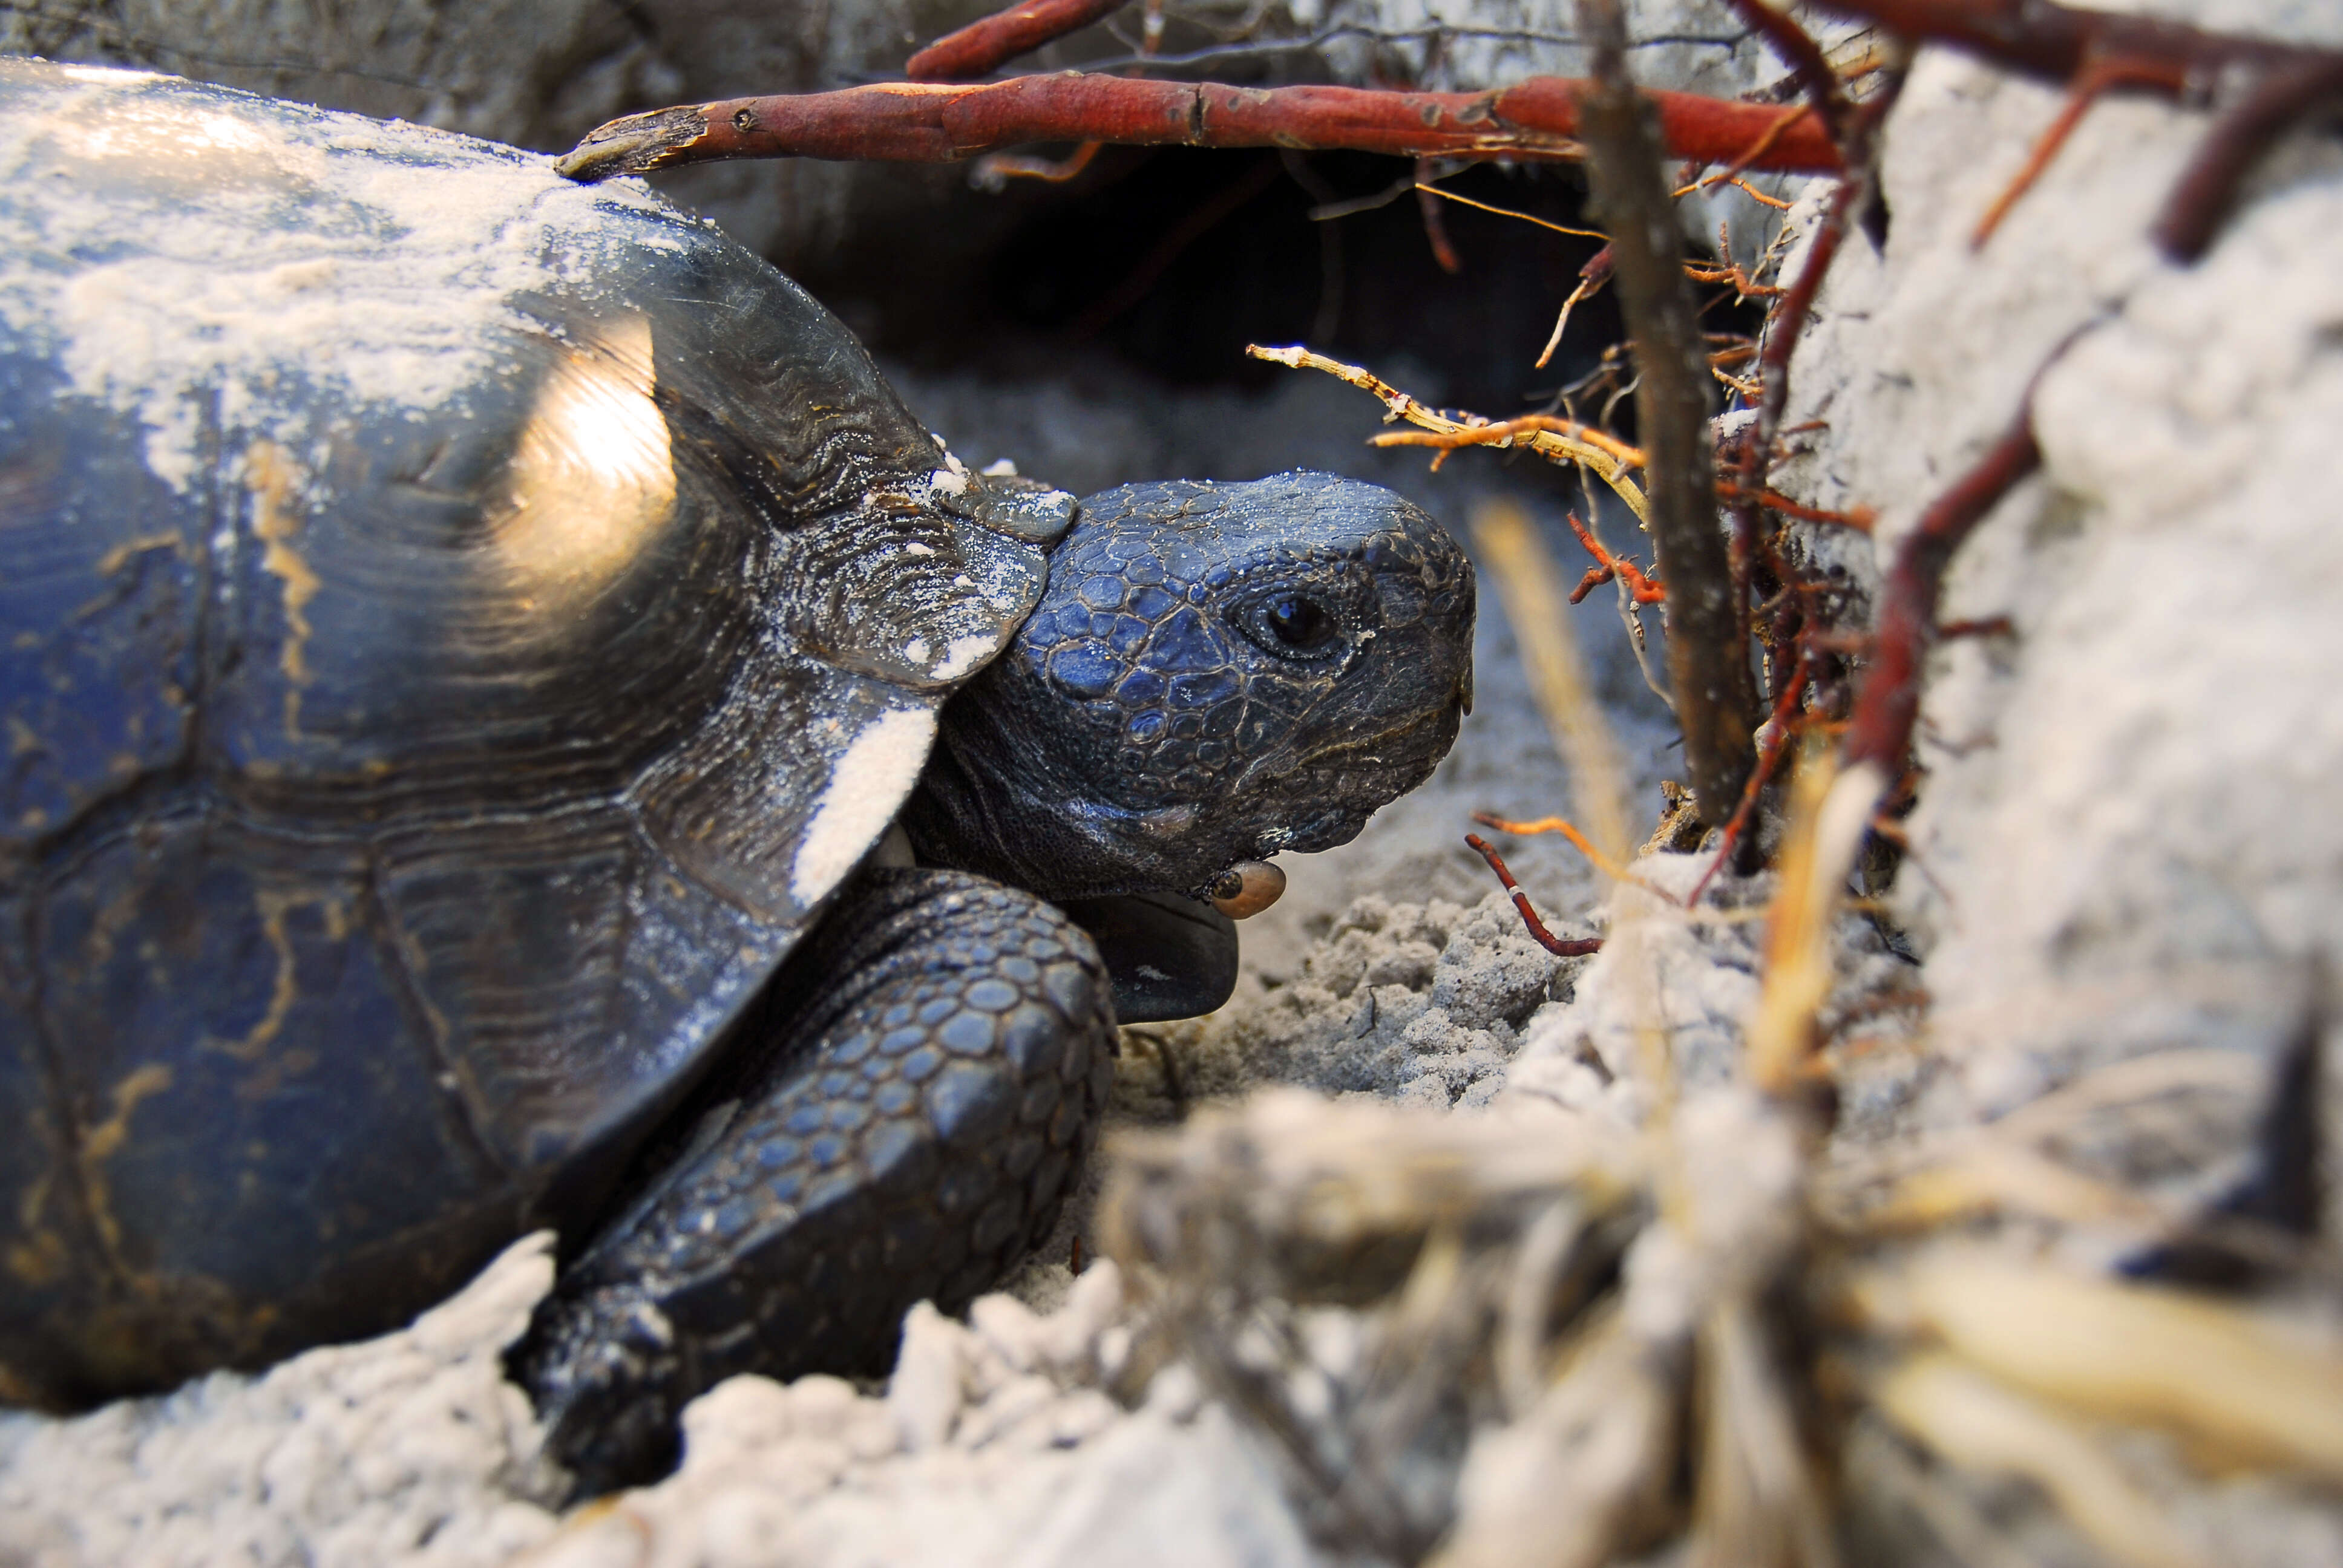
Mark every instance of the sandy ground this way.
pixel 2124 846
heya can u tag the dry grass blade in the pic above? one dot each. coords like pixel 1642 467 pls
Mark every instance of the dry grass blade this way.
pixel 1586 1476
pixel 1287 1164
pixel 1537 608
pixel 2002 1179
pixel 2238 1389
pixel 1971 1420
pixel 1829 813
pixel 1759 1505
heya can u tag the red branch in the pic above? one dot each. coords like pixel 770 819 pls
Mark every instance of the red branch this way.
pixel 2095 51
pixel 1804 56
pixel 937 122
pixel 983 48
pixel 1773 740
pixel 2055 42
pixel 1881 730
pixel 1575 948
pixel 2092 81
pixel 2203 195
pixel 1608 566
pixel 1860 518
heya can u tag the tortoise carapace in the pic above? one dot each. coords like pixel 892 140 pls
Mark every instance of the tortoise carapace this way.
pixel 511 722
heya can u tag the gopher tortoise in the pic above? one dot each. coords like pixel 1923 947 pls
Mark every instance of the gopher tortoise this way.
pixel 511 723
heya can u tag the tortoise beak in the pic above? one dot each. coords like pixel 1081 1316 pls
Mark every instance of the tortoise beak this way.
pixel 1169 956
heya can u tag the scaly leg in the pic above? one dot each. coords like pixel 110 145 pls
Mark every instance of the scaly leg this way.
pixel 904 1127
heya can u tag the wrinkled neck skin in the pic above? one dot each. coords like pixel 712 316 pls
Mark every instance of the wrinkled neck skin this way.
pixel 1215 673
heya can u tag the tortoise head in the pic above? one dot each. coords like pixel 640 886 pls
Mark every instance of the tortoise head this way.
pixel 1215 673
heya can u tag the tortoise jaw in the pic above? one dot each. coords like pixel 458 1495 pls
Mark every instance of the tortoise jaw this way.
pixel 1169 956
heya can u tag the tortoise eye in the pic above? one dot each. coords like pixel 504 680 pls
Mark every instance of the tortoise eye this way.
pixel 1290 625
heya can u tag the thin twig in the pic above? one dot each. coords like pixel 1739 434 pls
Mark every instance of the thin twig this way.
pixel 1601 862
pixel 1548 443
pixel 1426 188
pixel 2201 198
pixel 1608 566
pixel 1889 701
pixel 944 122
pixel 2096 79
pixel 1576 948
pixel 1860 518
pixel 1772 739
pixel 1501 433
pixel 1804 56
pixel 981 47
pixel 1747 157
pixel 1709 661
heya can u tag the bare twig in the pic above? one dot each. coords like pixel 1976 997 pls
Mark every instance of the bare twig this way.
pixel 2092 52
pixel 1773 738
pixel 1889 701
pixel 1576 948
pixel 1555 440
pixel 2202 197
pixel 1804 56
pixel 981 47
pixel 1708 660
pixel 941 122
pixel 1608 567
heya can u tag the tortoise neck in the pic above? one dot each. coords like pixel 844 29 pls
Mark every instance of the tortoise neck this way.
pixel 995 801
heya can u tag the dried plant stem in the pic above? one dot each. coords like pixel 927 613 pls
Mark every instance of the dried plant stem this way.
pixel 1555 440
pixel 1829 812
pixel 1709 658
pixel 2242 1391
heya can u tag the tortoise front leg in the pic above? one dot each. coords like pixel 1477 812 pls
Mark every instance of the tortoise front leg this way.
pixel 904 1130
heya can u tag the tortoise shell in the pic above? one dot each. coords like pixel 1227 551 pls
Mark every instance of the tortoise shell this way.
pixel 459 627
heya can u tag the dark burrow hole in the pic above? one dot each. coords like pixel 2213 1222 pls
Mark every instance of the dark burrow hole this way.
pixel 1173 259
